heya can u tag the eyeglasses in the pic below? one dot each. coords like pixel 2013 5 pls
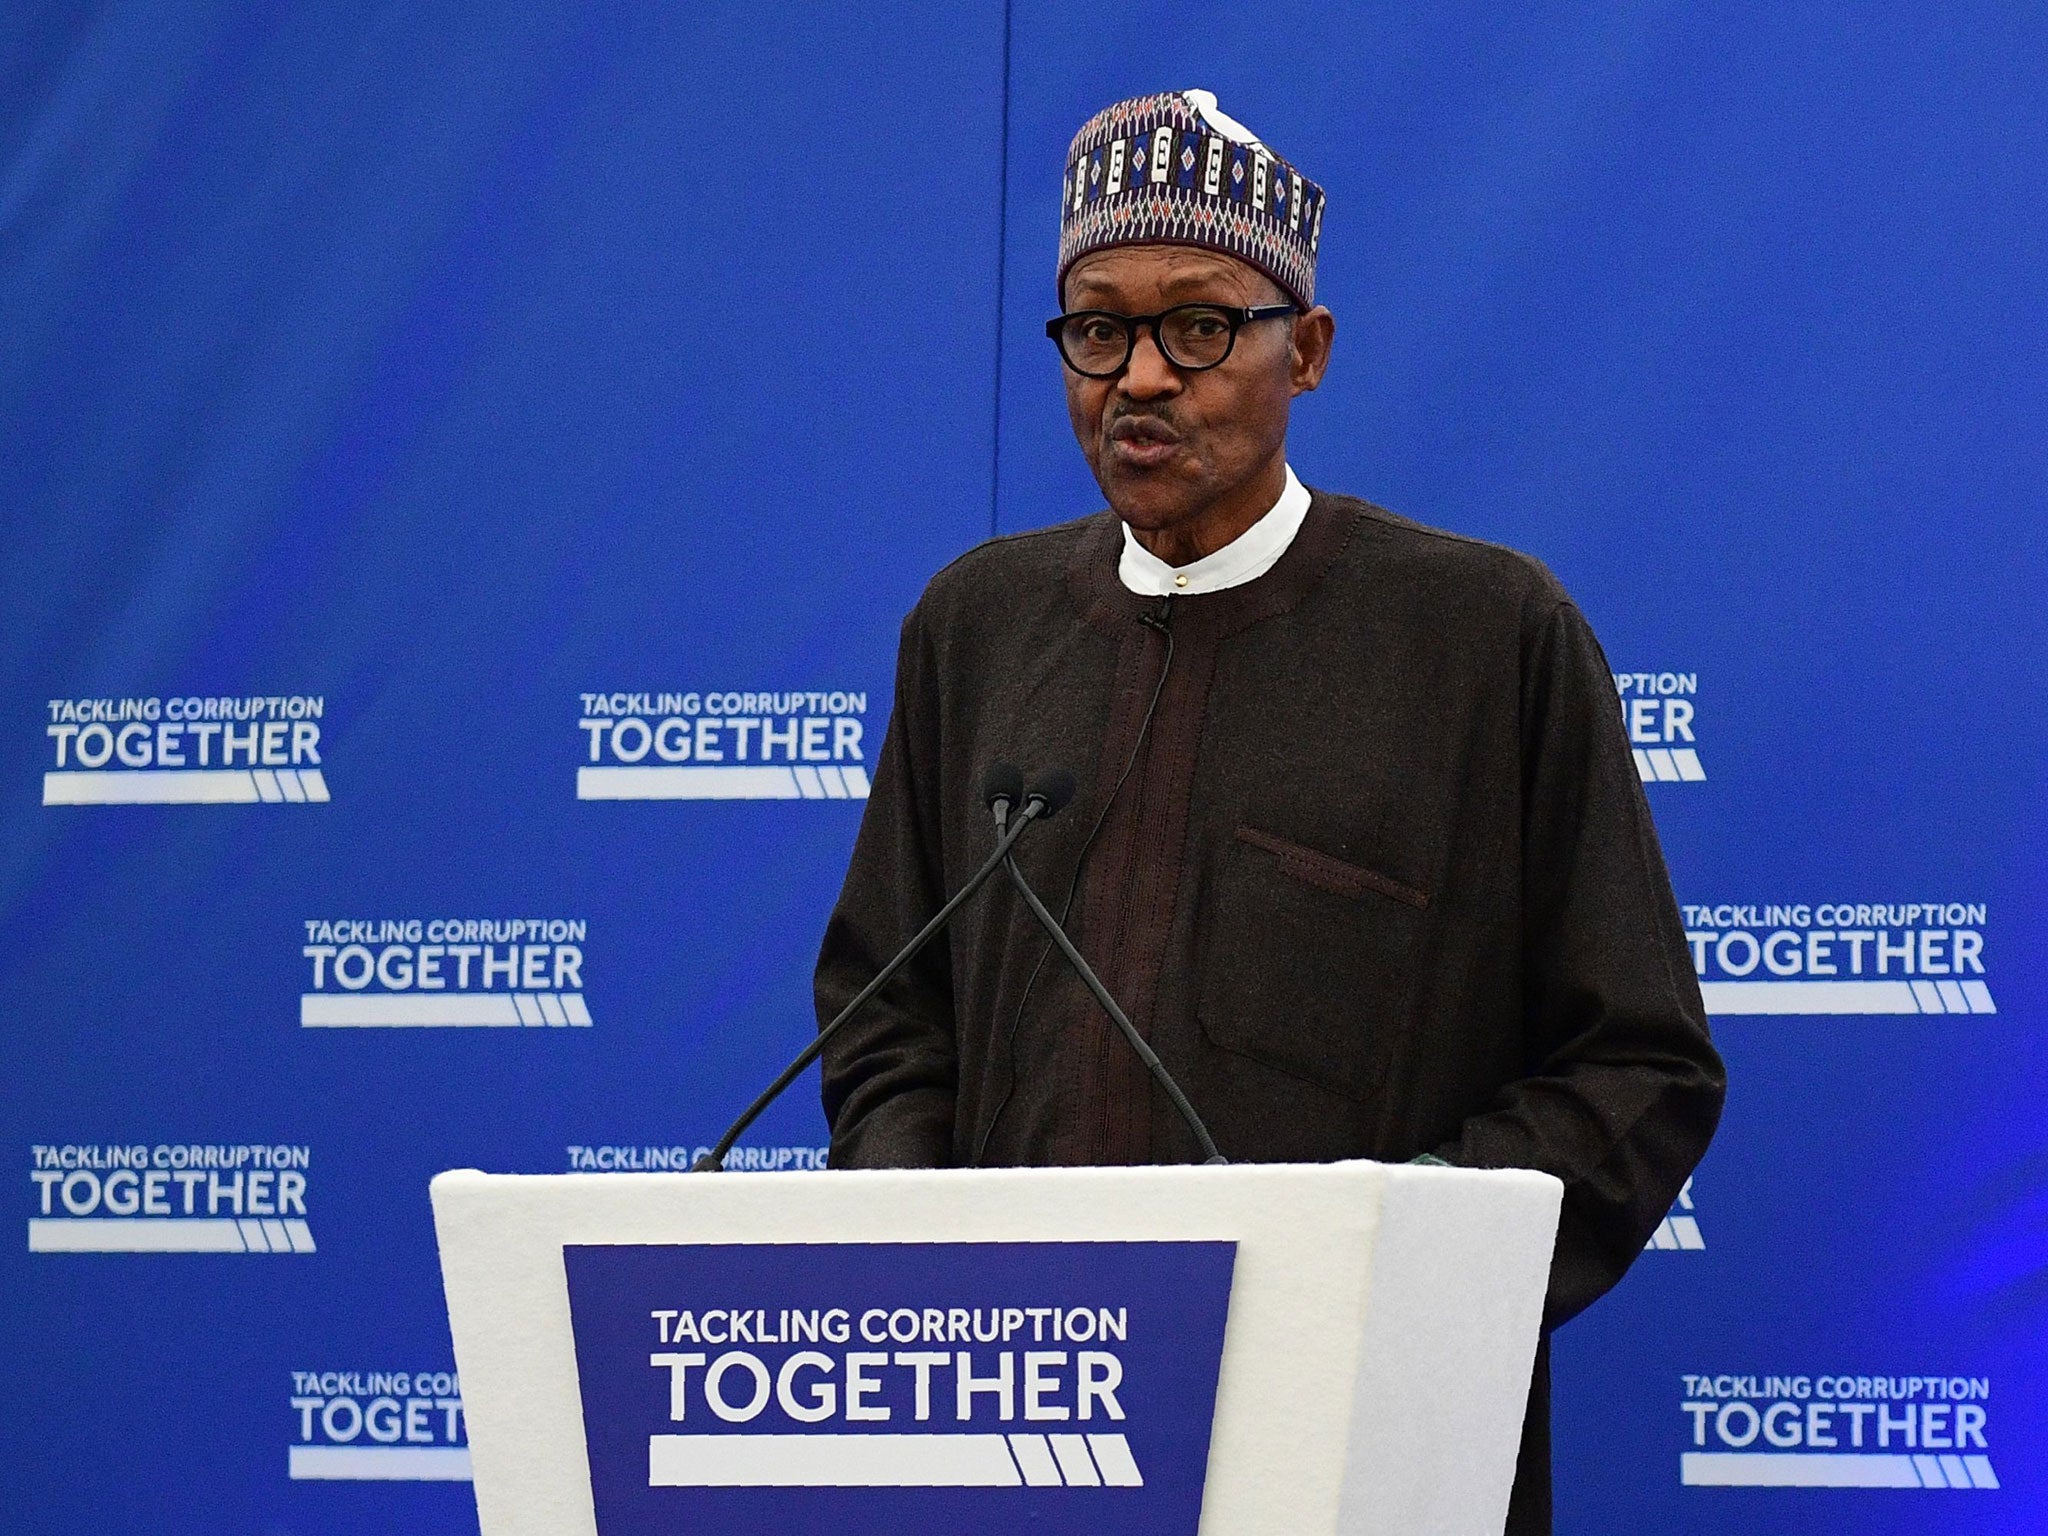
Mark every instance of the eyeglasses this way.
pixel 1099 342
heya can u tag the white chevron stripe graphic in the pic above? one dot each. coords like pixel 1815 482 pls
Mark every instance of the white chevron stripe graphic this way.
pixel 1807 1469
pixel 1678 1233
pixel 1673 765
pixel 185 786
pixel 799 782
pixel 380 1463
pixel 441 1010
pixel 891 1461
pixel 1841 998
pixel 167 1234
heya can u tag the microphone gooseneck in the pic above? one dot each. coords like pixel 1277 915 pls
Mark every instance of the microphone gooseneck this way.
pixel 1160 622
pixel 1034 807
pixel 1129 1031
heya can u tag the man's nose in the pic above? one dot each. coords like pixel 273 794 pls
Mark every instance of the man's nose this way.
pixel 1148 375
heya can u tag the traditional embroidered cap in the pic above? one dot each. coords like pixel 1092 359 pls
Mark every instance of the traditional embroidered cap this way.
pixel 1172 169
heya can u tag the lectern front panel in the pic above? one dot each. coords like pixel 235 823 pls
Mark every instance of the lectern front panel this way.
pixel 1035 1388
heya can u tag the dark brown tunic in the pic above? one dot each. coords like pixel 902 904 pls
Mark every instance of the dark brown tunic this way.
pixel 1381 882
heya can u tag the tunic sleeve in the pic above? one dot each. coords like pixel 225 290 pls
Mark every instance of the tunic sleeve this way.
pixel 1624 1087
pixel 889 1077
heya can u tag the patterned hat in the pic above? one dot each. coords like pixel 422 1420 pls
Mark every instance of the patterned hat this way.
pixel 1173 170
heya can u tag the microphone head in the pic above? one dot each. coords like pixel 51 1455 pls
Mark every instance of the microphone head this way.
pixel 1003 781
pixel 1055 787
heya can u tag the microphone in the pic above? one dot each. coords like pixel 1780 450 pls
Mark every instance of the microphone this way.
pixel 1002 786
pixel 1054 788
pixel 1128 1030
pixel 1002 790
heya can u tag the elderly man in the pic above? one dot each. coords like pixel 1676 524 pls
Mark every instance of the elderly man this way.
pixel 1360 846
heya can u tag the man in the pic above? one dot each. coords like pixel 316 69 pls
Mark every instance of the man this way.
pixel 1360 845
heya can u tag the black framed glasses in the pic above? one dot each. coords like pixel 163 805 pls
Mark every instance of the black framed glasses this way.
pixel 1099 342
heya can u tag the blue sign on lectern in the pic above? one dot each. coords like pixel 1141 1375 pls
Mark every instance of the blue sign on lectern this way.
pixel 1044 1388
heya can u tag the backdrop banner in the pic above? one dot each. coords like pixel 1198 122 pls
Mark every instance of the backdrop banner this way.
pixel 463 472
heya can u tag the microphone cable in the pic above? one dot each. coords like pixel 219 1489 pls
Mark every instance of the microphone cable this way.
pixel 1161 621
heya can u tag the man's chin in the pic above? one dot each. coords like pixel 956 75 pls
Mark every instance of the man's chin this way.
pixel 1148 503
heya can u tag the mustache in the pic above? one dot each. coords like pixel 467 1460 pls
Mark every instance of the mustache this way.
pixel 1141 421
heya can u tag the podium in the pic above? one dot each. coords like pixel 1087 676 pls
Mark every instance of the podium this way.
pixel 1241 1351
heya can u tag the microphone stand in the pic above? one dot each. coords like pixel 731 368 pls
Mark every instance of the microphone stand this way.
pixel 1136 1041
pixel 714 1160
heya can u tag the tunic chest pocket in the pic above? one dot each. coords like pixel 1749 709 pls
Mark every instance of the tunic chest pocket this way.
pixel 1307 962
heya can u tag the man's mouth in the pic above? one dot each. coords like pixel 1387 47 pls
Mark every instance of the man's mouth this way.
pixel 1142 441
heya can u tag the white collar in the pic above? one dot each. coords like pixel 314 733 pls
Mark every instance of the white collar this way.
pixel 1245 558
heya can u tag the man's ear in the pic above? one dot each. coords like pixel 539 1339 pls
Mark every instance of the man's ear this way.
pixel 1308 353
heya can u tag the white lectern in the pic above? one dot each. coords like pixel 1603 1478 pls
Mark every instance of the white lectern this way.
pixel 1036 1349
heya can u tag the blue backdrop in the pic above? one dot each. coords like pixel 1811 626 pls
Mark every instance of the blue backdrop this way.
pixel 398 401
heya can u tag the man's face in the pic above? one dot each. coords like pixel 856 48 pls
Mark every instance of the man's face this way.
pixel 1167 445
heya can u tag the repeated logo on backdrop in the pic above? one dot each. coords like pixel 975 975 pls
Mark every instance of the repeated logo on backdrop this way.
pixel 443 973
pixel 593 1158
pixel 378 1426
pixel 724 746
pixel 186 750
pixel 1660 711
pixel 168 1198
pixel 1846 1431
pixel 1679 1232
pixel 1840 957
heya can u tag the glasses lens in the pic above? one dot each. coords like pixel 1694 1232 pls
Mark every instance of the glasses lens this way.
pixel 1095 343
pixel 1195 335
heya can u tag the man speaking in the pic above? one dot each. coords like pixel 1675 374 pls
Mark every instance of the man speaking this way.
pixel 1360 846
